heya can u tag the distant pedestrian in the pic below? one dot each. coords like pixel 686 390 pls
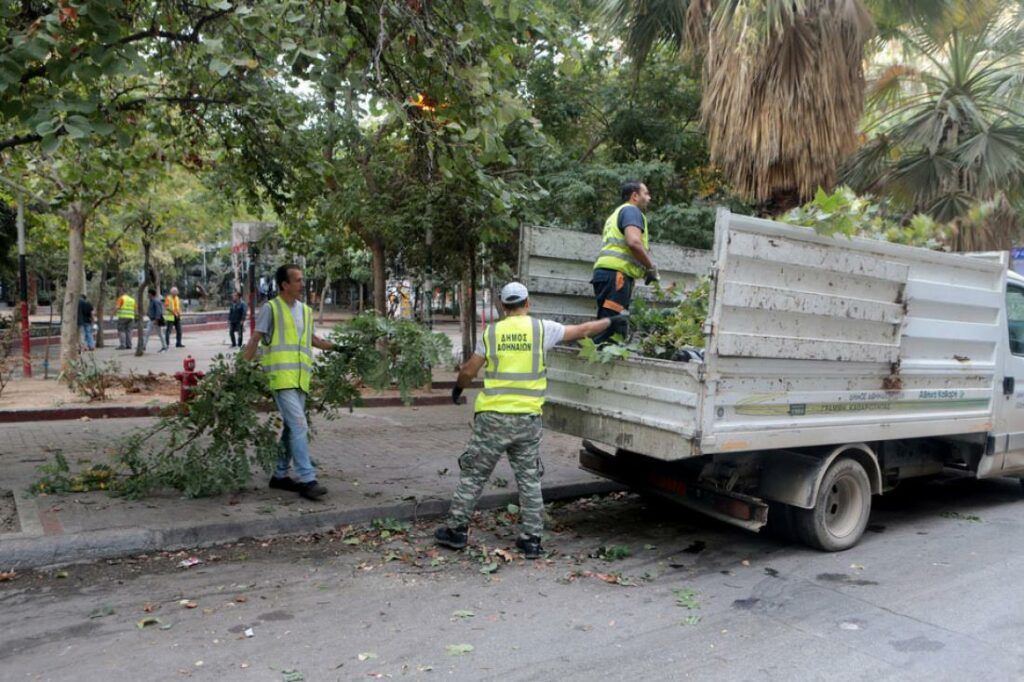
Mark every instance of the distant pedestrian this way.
pixel 172 317
pixel 125 318
pixel 625 256
pixel 508 413
pixel 85 323
pixel 284 326
pixel 155 315
pixel 236 319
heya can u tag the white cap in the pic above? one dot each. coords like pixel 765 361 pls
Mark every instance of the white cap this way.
pixel 514 292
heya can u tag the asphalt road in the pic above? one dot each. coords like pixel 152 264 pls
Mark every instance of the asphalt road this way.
pixel 934 592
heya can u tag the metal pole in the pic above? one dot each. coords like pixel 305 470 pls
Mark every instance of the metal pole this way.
pixel 26 339
pixel 253 252
pixel 428 300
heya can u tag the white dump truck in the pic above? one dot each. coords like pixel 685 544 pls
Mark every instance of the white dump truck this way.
pixel 833 368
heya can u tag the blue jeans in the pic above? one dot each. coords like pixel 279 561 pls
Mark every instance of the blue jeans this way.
pixel 291 403
pixel 89 342
pixel 151 326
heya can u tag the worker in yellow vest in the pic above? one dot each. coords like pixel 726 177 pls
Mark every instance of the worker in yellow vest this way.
pixel 284 327
pixel 125 311
pixel 625 256
pixel 172 317
pixel 508 413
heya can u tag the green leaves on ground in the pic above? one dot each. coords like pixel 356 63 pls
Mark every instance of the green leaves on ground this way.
pixel 458 649
pixel 686 599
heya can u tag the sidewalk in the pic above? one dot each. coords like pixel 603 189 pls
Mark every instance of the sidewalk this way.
pixel 376 463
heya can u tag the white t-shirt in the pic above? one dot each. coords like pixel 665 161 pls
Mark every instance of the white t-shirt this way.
pixel 553 334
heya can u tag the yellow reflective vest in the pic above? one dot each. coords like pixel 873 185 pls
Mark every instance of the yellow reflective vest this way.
pixel 126 307
pixel 615 253
pixel 172 308
pixel 287 359
pixel 514 375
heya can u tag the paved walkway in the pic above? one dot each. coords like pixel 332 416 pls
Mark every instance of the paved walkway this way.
pixel 387 462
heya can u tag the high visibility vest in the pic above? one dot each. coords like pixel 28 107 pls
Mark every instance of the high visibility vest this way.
pixel 288 360
pixel 172 307
pixel 126 308
pixel 615 253
pixel 514 376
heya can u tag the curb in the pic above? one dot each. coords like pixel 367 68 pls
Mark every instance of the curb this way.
pixel 50 550
pixel 135 411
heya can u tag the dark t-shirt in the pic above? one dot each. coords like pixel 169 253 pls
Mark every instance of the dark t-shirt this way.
pixel 630 215
pixel 84 312
pixel 236 313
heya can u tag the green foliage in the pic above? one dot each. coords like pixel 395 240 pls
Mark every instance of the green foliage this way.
pixel 658 330
pixel 90 379
pixel 381 353
pixel 210 448
pixel 56 477
pixel 612 552
pixel 844 213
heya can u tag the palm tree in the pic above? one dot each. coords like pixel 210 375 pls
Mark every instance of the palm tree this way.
pixel 783 84
pixel 945 128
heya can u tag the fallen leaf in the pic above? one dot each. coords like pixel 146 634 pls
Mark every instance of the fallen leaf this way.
pixel 102 611
pixel 458 649
pixel 241 600
pixel 857 567
pixel 505 554
pixel 60 575
pixel 351 541
pixel 166 626
pixel 150 608
pixel 188 603
pixel 424 668
pixel 249 633
pixel 745 562
pixel 512 508
pixel 489 568
pixel 7 575
pixel 147 621
pixel 461 613
pixel 189 562
pixel 366 656
pixel 292 676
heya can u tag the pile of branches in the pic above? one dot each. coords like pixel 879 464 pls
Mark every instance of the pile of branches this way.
pixel 213 447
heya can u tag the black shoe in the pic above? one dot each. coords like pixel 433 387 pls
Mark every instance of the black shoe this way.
pixel 179 345
pixel 530 546
pixel 455 538
pixel 311 490
pixel 285 483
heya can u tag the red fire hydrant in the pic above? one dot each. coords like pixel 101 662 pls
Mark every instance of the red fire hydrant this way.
pixel 189 379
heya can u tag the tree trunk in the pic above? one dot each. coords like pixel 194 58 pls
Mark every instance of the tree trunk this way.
pixel 141 299
pixel 69 350
pixel 323 297
pixel 379 280
pixel 101 291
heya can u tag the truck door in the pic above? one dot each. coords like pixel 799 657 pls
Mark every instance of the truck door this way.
pixel 1010 424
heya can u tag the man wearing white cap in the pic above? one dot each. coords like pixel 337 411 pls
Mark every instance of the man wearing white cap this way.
pixel 508 413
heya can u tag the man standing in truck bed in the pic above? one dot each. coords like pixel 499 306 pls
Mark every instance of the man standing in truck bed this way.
pixel 624 255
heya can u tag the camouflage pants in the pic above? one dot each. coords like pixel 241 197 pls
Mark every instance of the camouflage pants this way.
pixel 494 434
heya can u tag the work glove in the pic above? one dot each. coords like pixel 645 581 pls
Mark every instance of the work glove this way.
pixel 652 275
pixel 456 394
pixel 619 324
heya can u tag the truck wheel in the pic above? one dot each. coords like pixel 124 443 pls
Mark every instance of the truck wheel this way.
pixel 841 509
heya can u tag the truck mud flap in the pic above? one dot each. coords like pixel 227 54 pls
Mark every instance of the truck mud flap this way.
pixel 740 510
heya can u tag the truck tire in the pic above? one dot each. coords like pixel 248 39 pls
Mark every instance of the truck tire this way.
pixel 841 509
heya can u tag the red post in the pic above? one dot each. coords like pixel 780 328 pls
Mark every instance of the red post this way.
pixel 26 339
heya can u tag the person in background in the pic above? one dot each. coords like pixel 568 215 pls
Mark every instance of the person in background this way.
pixel 236 319
pixel 155 315
pixel 85 323
pixel 172 316
pixel 125 312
